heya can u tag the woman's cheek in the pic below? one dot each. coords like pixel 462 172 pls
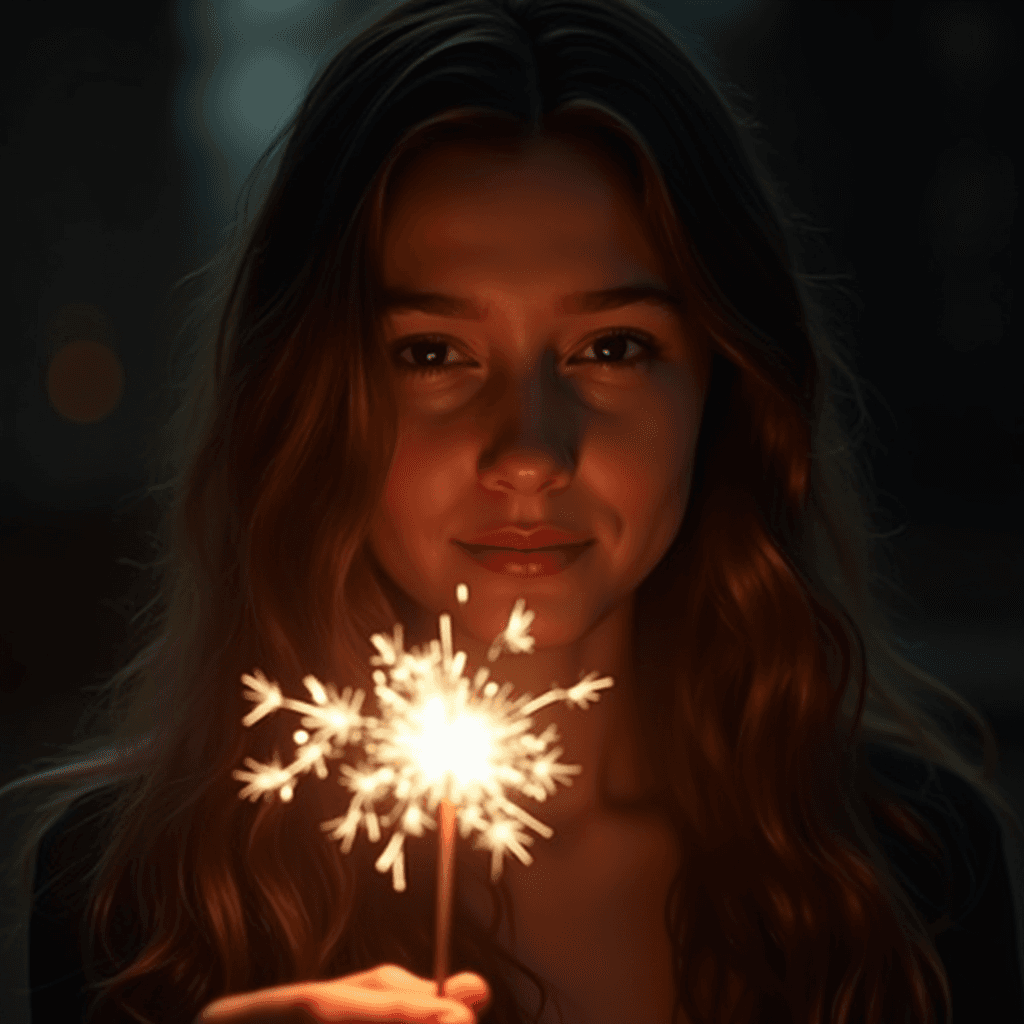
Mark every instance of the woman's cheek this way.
pixel 435 401
pixel 406 481
pixel 429 468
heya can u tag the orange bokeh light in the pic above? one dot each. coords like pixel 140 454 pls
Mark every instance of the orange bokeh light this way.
pixel 85 381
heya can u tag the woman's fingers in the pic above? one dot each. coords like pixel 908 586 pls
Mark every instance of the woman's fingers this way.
pixel 387 993
pixel 387 976
pixel 466 986
pixel 354 1003
pixel 354 1006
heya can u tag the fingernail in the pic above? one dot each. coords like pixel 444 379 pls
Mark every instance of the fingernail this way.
pixel 455 1017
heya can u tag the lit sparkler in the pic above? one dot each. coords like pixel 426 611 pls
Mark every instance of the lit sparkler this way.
pixel 442 744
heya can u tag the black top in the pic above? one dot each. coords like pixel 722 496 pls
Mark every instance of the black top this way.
pixel 979 949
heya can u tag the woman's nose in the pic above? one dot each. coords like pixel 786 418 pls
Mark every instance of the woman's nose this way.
pixel 526 471
pixel 534 443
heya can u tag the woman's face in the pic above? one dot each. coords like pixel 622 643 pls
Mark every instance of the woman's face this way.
pixel 541 409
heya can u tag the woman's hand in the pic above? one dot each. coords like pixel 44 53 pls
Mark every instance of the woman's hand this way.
pixel 388 993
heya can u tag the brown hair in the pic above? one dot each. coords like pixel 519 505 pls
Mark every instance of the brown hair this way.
pixel 771 591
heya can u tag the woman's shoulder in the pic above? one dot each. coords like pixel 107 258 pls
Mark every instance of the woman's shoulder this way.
pixel 70 847
pixel 67 852
pixel 975 919
pixel 960 818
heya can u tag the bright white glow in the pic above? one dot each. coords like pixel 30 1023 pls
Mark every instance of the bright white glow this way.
pixel 439 736
pixel 449 742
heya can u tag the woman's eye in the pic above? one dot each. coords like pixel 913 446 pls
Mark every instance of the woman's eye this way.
pixel 433 355
pixel 426 356
pixel 611 349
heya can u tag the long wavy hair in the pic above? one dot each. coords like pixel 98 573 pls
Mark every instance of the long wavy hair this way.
pixel 777 592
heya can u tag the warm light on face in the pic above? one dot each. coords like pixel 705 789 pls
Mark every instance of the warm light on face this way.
pixel 570 392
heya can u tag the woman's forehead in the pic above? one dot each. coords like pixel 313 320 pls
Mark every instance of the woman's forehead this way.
pixel 468 209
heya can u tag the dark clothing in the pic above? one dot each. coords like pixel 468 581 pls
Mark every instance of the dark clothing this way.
pixel 979 949
pixel 55 938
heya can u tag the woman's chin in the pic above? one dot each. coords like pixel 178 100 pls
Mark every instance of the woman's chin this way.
pixel 552 625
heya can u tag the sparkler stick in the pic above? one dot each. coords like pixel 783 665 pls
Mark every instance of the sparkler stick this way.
pixel 442 743
pixel 445 883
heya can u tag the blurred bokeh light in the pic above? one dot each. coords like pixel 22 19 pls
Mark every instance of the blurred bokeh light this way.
pixel 84 376
pixel 85 381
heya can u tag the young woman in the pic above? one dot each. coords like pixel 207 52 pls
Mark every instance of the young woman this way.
pixel 519 282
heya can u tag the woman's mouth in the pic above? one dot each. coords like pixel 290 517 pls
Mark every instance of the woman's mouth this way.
pixel 525 564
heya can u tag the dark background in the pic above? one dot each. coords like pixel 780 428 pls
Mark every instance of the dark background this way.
pixel 894 126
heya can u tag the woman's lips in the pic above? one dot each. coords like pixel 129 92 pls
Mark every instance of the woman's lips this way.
pixel 525 564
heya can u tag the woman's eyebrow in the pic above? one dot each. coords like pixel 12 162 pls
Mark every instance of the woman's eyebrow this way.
pixel 400 300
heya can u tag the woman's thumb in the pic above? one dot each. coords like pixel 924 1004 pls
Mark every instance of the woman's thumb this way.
pixel 468 988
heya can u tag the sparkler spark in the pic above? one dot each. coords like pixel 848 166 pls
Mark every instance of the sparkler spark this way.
pixel 439 736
